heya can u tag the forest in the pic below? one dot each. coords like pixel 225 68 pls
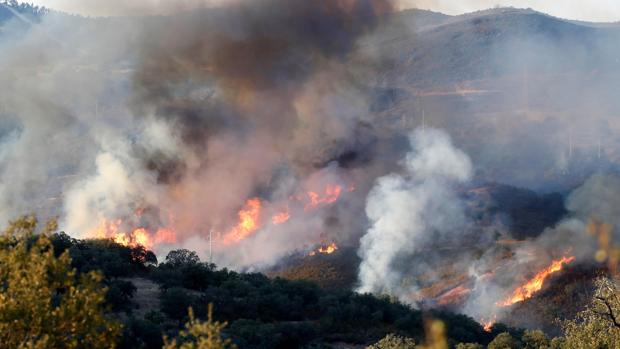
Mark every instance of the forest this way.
pixel 90 287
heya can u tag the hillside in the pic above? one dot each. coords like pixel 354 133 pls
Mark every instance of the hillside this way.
pixel 351 173
pixel 455 49
pixel 513 87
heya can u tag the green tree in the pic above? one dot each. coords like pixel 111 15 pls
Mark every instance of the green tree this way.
pixel 43 304
pixel 504 341
pixel 178 258
pixel 392 341
pixel 201 335
pixel 598 326
pixel 535 340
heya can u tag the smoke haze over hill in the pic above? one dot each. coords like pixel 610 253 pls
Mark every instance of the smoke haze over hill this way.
pixel 264 130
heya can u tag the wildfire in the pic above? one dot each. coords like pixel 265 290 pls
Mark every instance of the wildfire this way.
pixel 329 249
pixel 106 229
pixel 331 195
pixel 136 237
pixel 250 214
pixel 281 217
pixel 249 218
pixel 535 284
pixel 488 325
pixel 249 222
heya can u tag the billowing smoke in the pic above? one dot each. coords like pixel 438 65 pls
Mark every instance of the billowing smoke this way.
pixel 213 121
pixel 424 247
pixel 264 125
pixel 494 278
pixel 413 213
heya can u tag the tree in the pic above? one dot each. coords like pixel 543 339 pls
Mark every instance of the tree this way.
pixel 535 340
pixel 175 301
pixel 43 304
pixel 178 258
pixel 392 341
pixel 598 326
pixel 504 341
pixel 201 335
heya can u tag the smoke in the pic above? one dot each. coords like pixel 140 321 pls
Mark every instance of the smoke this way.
pixel 495 278
pixel 172 123
pixel 413 212
pixel 424 247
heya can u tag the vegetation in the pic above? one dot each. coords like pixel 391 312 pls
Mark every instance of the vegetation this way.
pixel 598 326
pixel 43 303
pixel 201 335
pixel 60 292
pixel 392 341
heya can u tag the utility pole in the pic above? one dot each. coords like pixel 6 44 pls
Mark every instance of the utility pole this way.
pixel 210 246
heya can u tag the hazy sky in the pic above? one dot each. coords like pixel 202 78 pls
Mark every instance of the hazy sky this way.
pixel 590 10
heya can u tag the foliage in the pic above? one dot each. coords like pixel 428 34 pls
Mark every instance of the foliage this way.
pixel 183 268
pixel 392 341
pixel 119 294
pixel 504 341
pixel 201 335
pixel 112 259
pixel 469 346
pixel 598 326
pixel 175 301
pixel 535 340
pixel 43 304
pixel 267 313
pixel 256 334
pixel 183 257
pixel 141 333
pixel 263 312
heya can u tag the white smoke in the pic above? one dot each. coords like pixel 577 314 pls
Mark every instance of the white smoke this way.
pixel 408 212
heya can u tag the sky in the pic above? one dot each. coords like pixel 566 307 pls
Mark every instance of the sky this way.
pixel 587 10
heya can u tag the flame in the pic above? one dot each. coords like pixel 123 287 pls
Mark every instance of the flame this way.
pixel 329 249
pixel 281 217
pixel 249 222
pixel 138 237
pixel 535 284
pixel 106 229
pixel 488 325
pixel 165 235
pixel 111 229
pixel 331 195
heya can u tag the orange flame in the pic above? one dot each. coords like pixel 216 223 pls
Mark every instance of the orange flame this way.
pixel 534 285
pixel 106 229
pixel 488 325
pixel 329 249
pixel 249 222
pixel 109 229
pixel 281 217
pixel 332 193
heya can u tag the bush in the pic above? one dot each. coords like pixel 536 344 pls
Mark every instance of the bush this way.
pixel 504 341
pixel 392 341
